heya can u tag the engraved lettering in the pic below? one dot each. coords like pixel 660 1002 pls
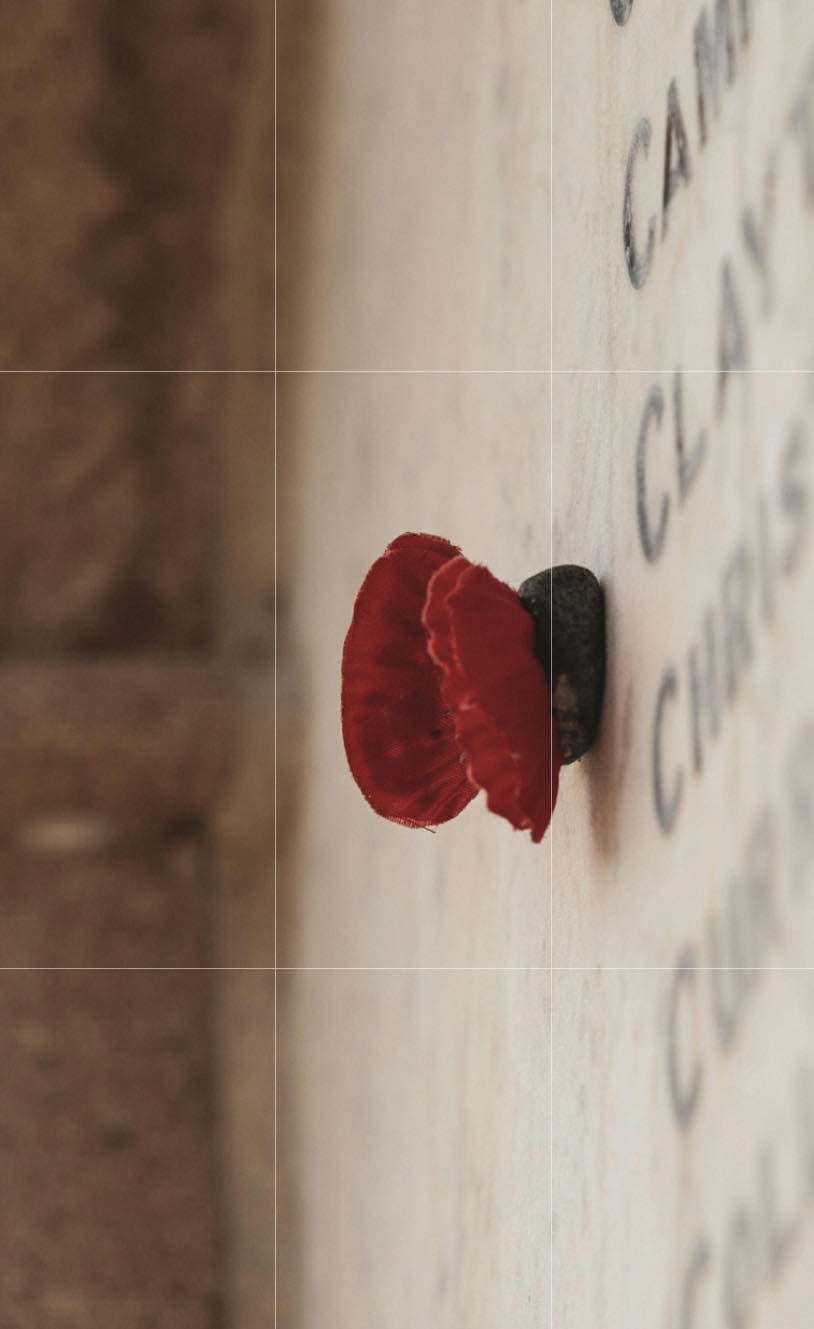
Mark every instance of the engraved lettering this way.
pixel 703 690
pixel 666 805
pixel 621 10
pixel 800 792
pixel 685 1088
pixel 756 233
pixel 737 585
pixel 766 562
pixel 761 1234
pixel 794 497
pixel 723 982
pixel 652 544
pixel 675 145
pixel 802 123
pixel 638 265
pixel 708 54
pixel 732 337
pixel 746 20
pixel 688 463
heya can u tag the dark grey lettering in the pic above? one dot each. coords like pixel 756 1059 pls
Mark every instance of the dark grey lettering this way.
pixel 675 145
pixel 724 983
pixel 638 265
pixel 737 584
pixel 703 690
pixel 732 337
pixel 746 20
pixel 707 62
pixel 800 792
pixel 621 10
pixel 666 805
pixel 651 543
pixel 794 496
pixel 756 233
pixel 688 463
pixel 802 123
pixel 685 1088
pixel 766 562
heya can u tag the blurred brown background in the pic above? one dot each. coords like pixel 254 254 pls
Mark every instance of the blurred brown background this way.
pixel 136 701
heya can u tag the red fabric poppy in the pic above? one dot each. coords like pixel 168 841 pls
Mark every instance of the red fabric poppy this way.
pixel 399 735
pixel 442 694
pixel 483 639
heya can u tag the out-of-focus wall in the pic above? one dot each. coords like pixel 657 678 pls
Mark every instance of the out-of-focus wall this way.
pixel 136 613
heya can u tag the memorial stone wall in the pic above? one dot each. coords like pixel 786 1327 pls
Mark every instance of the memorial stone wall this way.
pixel 557 308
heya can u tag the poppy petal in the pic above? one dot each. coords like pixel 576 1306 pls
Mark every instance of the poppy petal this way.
pixel 399 735
pixel 482 637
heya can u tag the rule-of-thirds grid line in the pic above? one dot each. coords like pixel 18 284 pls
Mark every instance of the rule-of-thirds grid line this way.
pixel 430 372
pixel 596 970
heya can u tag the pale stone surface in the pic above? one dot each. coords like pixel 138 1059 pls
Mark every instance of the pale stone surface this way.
pixel 429 213
pixel 383 1068
pixel 413 1134
pixel 755 160
pixel 709 1223
pixel 627 891
pixel 462 457
pixel 421 1127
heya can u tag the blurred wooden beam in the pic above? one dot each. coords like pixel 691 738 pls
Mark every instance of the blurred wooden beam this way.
pixel 136 742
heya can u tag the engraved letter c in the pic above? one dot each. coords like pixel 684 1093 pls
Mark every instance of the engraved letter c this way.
pixel 638 266
pixel 651 542
pixel 683 1092
pixel 666 809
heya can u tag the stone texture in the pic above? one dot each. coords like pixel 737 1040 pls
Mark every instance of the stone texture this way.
pixel 119 139
pixel 75 901
pixel 132 743
pixel 419 258
pixel 427 243
pixel 106 1118
pixel 115 145
pixel 118 146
